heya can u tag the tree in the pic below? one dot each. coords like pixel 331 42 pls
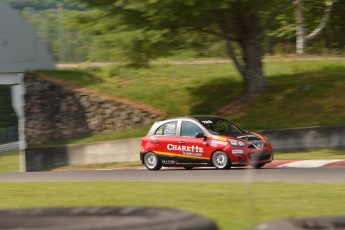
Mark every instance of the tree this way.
pixel 301 37
pixel 157 25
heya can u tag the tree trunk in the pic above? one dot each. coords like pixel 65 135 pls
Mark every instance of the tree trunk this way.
pixel 323 22
pixel 301 37
pixel 250 67
pixel 254 80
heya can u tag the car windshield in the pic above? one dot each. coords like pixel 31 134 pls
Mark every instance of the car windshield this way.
pixel 219 126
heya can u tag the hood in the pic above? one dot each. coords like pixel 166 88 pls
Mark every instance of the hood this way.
pixel 255 140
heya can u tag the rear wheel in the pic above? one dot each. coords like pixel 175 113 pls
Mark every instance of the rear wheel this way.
pixel 152 162
pixel 258 165
pixel 220 160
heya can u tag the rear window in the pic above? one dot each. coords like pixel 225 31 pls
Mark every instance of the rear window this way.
pixel 167 129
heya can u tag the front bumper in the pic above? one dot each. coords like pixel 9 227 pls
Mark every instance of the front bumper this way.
pixel 259 156
pixel 262 156
pixel 142 153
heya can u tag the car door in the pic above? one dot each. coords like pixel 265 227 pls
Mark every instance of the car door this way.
pixel 192 149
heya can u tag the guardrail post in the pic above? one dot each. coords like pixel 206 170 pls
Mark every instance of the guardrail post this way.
pixel 18 103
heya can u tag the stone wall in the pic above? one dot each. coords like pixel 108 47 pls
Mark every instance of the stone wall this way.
pixel 56 110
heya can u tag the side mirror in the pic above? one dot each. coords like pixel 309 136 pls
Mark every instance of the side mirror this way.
pixel 199 135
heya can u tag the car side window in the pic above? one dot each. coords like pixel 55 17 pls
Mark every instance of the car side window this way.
pixel 223 127
pixel 189 129
pixel 167 129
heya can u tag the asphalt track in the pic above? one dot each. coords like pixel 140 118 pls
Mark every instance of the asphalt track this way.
pixel 182 175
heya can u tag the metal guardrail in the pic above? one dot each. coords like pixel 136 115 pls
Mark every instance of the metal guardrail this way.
pixel 9 147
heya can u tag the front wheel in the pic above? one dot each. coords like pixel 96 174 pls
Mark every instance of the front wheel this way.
pixel 152 162
pixel 258 165
pixel 220 160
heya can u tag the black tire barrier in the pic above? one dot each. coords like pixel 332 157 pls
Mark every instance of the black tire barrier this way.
pixel 103 218
pixel 312 223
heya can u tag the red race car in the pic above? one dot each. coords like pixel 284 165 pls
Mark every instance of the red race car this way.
pixel 198 141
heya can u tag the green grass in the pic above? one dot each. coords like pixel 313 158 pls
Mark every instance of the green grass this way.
pixel 307 94
pixel 311 154
pixel 299 93
pixel 174 89
pixel 9 161
pixel 231 205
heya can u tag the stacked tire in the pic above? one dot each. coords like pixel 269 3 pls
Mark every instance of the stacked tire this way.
pixel 103 218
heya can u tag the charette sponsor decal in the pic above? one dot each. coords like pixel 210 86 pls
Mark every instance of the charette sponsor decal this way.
pixel 187 150
pixel 193 148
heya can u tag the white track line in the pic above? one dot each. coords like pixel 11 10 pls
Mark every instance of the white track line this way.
pixel 294 164
pixel 307 164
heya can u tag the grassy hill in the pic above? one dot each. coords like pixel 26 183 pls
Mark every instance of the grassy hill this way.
pixel 299 93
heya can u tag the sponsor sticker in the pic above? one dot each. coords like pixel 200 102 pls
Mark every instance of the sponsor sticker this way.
pixel 168 162
pixel 219 138
pixel 194 149
pixel 237 151
pixel 215 143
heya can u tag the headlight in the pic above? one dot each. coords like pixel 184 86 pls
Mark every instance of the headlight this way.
pixel 237 142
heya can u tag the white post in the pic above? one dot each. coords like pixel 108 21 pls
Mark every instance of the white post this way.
pixel 18 103
pixel 300 27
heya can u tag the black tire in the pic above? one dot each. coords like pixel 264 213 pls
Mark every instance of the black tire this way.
pixel 104 218
pixel 221 160
pixel 152 162
pixel 258 165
